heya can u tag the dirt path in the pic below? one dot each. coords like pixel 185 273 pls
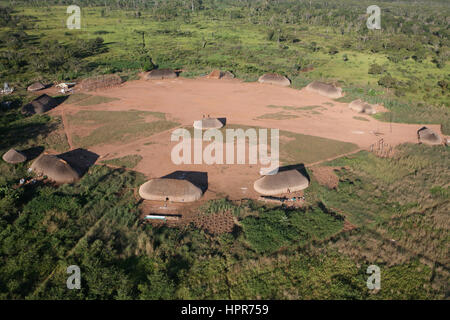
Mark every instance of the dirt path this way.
pixel 67 130
pixel 333 158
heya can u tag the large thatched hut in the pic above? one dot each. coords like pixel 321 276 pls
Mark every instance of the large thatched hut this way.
pixel 160 74
pixel 282 182
pixel 276 79
pixel 428 136
pixel 325 89
pixel 55 169
pixel 165 189
pixel 40 105
pixel 14 156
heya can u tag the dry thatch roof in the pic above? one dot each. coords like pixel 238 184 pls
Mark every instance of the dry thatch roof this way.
pixel 428 136
pixel 276 79
pixel 40 105
pixel 208 123
pixel 325 89
pixel 55 169
pixel 14 156
pixel 36 87
pixel 282 182
pixel 217 74
pixel 175 190
pixel 100 82
pixel 362 107
pixel 160 74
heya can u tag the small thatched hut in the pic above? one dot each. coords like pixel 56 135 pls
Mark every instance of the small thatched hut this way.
pixel 55 169
pixel 208 123
pixel 325 89
pixel 276 79
pixel 101 82
pixel 14 156
pixel 164 189
pixel 428 136
pixel 362 107
pixel 160 74
pixel 217 74
pixel 36 87
pixel 282 182
pixel 40 105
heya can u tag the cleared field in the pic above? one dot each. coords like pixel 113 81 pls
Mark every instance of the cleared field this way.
pixel 115 126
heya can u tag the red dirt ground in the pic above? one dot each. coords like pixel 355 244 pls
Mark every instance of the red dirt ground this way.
pixel 186 100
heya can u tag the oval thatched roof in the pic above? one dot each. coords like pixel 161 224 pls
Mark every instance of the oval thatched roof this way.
pixel 14 156
pixel 276 79
pixel 175 190
pixel 40 105
pixel 160 74
pixel 36 87
pixel 325 89
pixel 362 107
pixel 55 169
pixel 428 136
pixel 208 123
pixel 282 182
pixel 218 74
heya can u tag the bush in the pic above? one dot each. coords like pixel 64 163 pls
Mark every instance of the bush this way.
pixel 388 82
pixel 375 69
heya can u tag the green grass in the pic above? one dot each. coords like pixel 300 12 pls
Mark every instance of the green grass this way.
pixel 117 126
pixel 93 100
pixel 307 149
pixel 277 116
pixel 76 97
pixel 129 161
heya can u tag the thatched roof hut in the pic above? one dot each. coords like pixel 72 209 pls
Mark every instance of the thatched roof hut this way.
pixel 362 107
pixel 40 105
pixel 325 89
pixel 101 82
pixel 282 182
pixel 208 123
pixel 276 79
pixel 55 169
pixel 160 74
pixel 36 87
pixel 14 156
pixel 428 136
pixel 164 189
pixel 217 74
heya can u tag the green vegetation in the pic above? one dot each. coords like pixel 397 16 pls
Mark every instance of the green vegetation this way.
pixel 129 162
pixel 117 126
pixel 298 148
pixel 93 100
pixel 277 116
